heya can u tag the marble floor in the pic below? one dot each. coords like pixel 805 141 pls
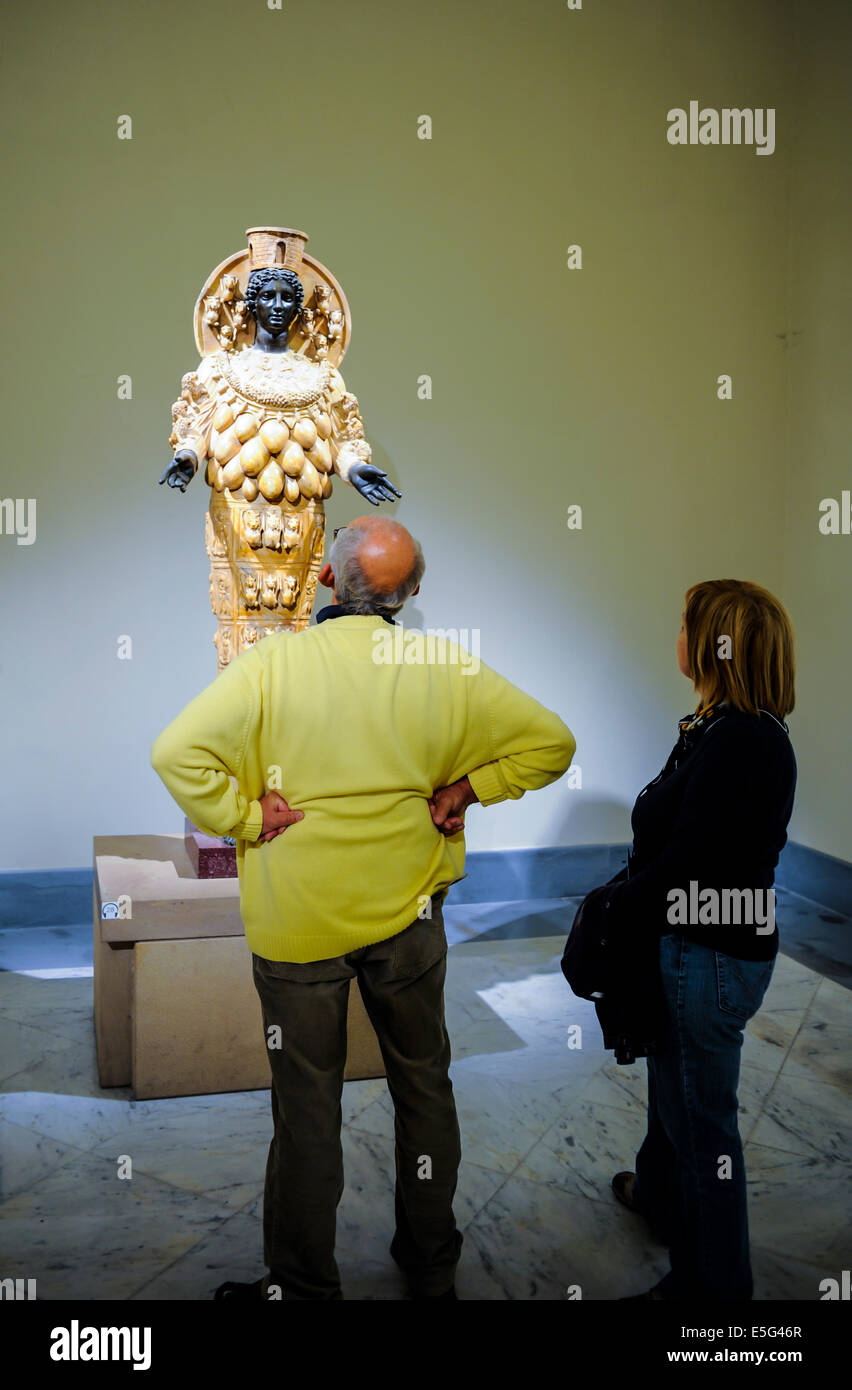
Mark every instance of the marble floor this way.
pixel 543 1125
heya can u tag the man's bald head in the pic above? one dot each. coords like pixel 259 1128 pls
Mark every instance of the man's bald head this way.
pixel 386 552
pixel 375 562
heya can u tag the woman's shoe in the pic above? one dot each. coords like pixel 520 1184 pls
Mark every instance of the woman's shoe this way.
pixel 623 1185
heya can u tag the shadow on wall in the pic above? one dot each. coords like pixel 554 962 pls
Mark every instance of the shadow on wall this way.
pixel 590 821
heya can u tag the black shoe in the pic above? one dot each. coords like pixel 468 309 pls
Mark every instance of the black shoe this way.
pixel 412 1293
pixel 623 1185
pixel 253 1292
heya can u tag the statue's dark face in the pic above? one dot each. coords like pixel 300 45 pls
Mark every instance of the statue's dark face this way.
pixel 275 306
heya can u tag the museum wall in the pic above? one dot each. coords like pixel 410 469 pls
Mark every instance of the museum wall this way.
pixel 817 570
pixel 551 387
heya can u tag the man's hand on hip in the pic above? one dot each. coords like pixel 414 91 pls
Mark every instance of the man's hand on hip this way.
pixel 447 806
pixel 276 816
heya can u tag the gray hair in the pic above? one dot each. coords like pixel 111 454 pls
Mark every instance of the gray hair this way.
pixel 354 588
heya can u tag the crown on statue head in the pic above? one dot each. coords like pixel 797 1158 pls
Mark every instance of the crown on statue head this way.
pixel 275 246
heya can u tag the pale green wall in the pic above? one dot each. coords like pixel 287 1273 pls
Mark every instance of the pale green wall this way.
pixel 817 568
pixel 551 387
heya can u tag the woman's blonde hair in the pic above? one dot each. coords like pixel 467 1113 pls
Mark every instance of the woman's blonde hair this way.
pixel 740 646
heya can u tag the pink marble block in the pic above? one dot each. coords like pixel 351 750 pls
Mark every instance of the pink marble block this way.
pixel 209 856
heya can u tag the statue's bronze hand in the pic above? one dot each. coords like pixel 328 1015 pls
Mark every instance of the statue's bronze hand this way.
pixel 372 483
pixel 181 470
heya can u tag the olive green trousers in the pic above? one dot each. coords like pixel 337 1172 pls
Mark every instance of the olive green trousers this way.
pixel 304 1011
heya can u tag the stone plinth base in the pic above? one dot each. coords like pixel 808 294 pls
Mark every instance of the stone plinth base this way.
pixel 176 1011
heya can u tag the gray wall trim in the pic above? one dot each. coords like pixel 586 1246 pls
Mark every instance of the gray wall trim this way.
pixel 61 897
pixel 565 871
pixel 818 876
pixel 46 898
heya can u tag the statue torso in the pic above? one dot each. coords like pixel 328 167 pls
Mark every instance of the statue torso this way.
pixel 272 428
pixel 278 379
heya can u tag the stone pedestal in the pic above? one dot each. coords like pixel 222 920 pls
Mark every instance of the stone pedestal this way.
pixel 176 1011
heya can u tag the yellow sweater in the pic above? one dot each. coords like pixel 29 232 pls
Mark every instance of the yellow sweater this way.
pixel 358 744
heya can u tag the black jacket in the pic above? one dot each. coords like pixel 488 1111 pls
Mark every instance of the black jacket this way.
pixel 715 817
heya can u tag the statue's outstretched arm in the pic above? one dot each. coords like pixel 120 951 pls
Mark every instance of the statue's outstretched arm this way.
pixel 353 453
pixel 192 416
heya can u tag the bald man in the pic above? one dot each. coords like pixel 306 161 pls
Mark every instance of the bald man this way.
pixel 387 553
pixel 353 774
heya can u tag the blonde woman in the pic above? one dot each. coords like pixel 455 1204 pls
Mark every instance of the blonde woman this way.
pixel 707 835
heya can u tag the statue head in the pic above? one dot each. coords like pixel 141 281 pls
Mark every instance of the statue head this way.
pixel 274 297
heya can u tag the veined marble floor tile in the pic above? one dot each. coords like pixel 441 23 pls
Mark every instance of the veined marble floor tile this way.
pixel 499 1123
pixel 822 1052
pixel 580 1153
pixel 625 1087
pixel 539 994
pixel 23 1048
pixel 800 1205
pixel 82 1121
pixel 365 1225
pixel 211 1144
pixel 358 1095
pixel 365 1217
pixel 792 986
pixel 64 1007
pixel 548 1066
pixel 25 1158
pixel 478 965
pixel 234 1250
pixel 84 1234
pixel 503 995
pixel 544 1126
pixel 530 917
pixel 755 1088
pixel 86 1121
pixel 782 1277
pixel 469 1039
pixel 62 1068
pixel 552 1072
pixel 532 1241
pixel 832 1005
pixel 767 1039
pixel 231 1248
pixel 804 1116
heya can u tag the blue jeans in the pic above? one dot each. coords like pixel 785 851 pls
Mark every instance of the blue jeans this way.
pixel 690 1173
